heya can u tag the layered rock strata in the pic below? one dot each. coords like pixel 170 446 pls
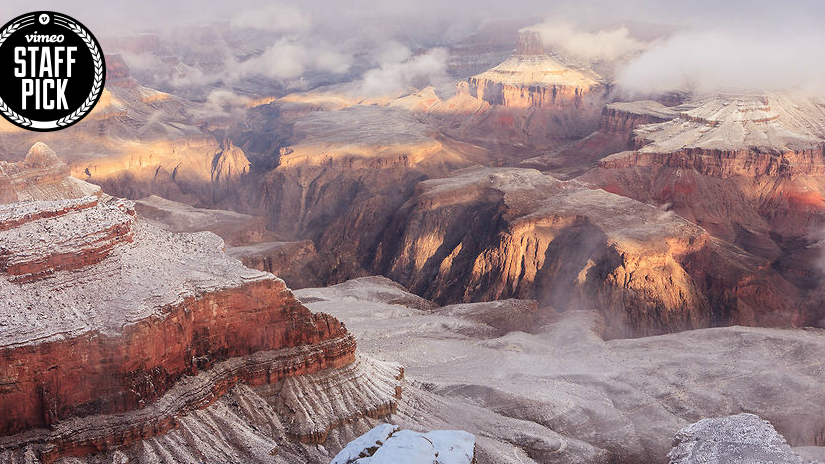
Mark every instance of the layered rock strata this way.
pixel 746 168
pixel 113 330
pixel 531 96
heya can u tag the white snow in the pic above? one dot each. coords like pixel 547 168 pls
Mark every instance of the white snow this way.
pixel 774 121
pixel 538 70
pixel 133 282
pixel 387 444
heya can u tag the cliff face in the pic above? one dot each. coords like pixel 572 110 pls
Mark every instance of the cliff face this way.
pixel 524 234
pixel 114 329
pixel 747 169
pixel 623 118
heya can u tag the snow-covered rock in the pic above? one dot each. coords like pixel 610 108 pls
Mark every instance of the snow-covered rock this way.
pixel 388 444
pixel 739 439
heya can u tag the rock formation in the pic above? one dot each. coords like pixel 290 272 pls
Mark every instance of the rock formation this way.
pixel 739 439
pixel 532 78
pixel 41 176
pixel 493 233
pixel 531 96
pixel 113 329
pixel 746 168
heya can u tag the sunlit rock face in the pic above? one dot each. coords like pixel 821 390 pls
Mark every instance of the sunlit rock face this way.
pixel 40 176
pixel 487 234
pixel 113 329
pixel 138 141
pixel 748 169
pixel 532 78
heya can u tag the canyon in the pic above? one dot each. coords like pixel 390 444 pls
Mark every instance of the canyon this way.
pixel 521 268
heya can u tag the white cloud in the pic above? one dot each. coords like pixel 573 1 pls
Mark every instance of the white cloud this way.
pixel 288 58
pixel 729 61
pixel 603 45
pixel 414 72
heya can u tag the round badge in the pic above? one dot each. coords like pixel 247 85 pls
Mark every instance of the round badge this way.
pixel 52 71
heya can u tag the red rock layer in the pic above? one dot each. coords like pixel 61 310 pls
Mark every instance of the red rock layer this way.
pixel 729 163
pixel 102 433
pixel 555 97
pixel 43 384
pixel 12 220
pixel 29 257
pixel 621 122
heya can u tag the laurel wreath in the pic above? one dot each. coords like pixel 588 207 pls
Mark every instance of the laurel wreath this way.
pixel 8 112
pixel 97 86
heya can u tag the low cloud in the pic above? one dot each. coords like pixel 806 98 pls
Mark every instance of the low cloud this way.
pixel 729 61
pixel 602 45
pixel 400 71
pixel 288 58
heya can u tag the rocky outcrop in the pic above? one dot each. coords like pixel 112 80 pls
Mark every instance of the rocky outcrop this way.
pixel 387 444
pixel 739 439
pixel 41 176
pixel 527 235
pixel 532 78
pixel 623 118
pixel 131 359
pixel 42 238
